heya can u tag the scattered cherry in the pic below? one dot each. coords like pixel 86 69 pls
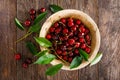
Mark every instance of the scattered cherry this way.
pixel 28 60
pixel 42 10
pixel 32 17
pixel 32 12
pixel 27 23
pixel 24 65
pixel 17 56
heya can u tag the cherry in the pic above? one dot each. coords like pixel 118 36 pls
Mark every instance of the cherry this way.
pixel 65 58
pixel 89 42
pixel 58 51
pixel 56 24
pixel 76 51
pixel 27 23
pixel 86 31
pixel 63 20
pixel 77 44
pixel 70 59
pixel 24 65
pixel 32 17
pixel 28 60
pixel 71 41
pixel 63 47
pixel 48 36
pixel 87 49
pixel 70 54
pixel 42 10
pixel 81 39
pixel 65 37
pixel 80 34
pixel 87 37
pixel 82 28
pixel 65 31
pixel 70 24
pixel 78 22
pixel 52 29
pixel 75 38
pixel 57 30
pixel 17 56
pixel 64 53
pixel 70 20
pixel 32 12
pixel 83 46
pixel 73 28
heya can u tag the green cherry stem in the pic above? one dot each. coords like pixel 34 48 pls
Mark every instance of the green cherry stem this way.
pixel 23 37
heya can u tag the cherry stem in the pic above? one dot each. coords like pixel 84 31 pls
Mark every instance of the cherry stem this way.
pixel 23 37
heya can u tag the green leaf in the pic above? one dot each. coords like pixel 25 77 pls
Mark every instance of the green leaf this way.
pixel 34 28
pixel 32 48
pixel 54 69
pixel 40 17
pixel 96 59
pixel 55 8
pixel 18 24
pixel 76 62
pixel 41 53
pixel 43 42
pixel 45 59
pixel 83 54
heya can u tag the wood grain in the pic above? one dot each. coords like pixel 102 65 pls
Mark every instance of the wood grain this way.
pixel 106 13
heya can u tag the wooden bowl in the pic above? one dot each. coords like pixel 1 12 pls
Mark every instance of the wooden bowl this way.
pixel 87 20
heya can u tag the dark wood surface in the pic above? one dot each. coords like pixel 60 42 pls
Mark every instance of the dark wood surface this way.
pixel 106 14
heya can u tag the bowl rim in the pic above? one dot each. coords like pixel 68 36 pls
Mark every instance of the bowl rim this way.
pixel 78 12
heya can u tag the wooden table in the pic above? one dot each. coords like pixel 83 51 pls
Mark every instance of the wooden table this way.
pixel 106 14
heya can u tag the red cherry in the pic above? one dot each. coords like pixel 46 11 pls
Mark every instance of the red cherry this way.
pixel 70 20
pixel 70 59
pixel 63 20
pixel 80 34
pixel 86 31
pixel 77 44
pixel 65 31
pixel 57 30
pixel 73 28
pixel 59 51
pixel 64 53
pixel 42 10
pixel 83 46
pixel 82 28
pixel 76 51
pixel 71 41
pixel 65 58
pixel 87 49
pixel 81 39
pixel 32 12
pixel 27 23
pixel 71 54
pixel 32 17
pixel 56 24
pixel 24 65
pixel 69 48
pixel 52 29
pixel 70 24
pixel 87 37
pixel 17 56
pixel 48 36
pixel 78 22
pixel 89 43
pixel 28 60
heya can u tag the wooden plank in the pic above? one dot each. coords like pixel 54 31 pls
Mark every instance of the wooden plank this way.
pixel 7 37
pixel 31 73
pixel 91 8
pixel 109 20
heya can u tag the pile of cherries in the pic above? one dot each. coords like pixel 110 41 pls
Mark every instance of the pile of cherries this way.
pixel 68 35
